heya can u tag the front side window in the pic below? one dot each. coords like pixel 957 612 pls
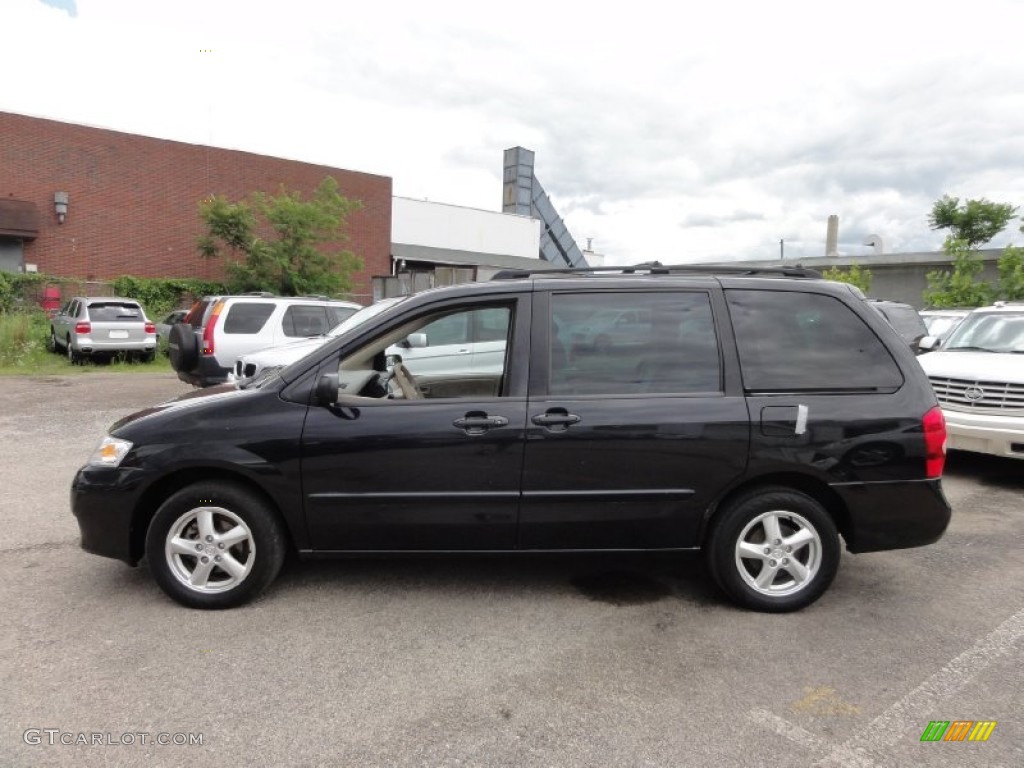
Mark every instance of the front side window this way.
pixel 432 357
pixel 633 343
pixel 246 317
pixel 303 321
pixel 791 341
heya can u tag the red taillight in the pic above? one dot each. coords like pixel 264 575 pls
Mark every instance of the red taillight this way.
pixel 150 327
pixel 83 327
pixel 933 425
pixel 208 330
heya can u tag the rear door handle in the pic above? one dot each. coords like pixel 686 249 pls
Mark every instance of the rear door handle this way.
pixel 477 423
pixel 555 420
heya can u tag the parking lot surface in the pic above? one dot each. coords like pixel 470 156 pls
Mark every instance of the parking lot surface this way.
pixel 579 661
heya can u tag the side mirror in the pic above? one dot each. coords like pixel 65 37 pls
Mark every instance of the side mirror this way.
pixel 928 343
pixel 327 389
pixel 415 341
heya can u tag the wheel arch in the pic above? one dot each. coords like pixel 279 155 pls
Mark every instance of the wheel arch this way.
pixel 810 486
pixel 162 489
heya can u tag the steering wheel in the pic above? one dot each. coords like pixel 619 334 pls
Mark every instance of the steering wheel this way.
pixel 405 381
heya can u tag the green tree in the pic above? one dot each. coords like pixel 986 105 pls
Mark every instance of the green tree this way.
pixel 302 252
pixel 975 222
pixel 960 286
pixel 855 275
pixel 1011 273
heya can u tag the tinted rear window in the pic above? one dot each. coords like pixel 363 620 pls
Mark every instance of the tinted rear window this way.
pixel 115 312
pixel 905 320
pixel 790 341
pixel 196 314
pixel 247 317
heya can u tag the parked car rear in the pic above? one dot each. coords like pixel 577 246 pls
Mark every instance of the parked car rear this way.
pixel 218 330
pixel 102 327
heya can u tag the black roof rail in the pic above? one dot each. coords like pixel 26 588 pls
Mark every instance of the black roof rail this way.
pixel 657 268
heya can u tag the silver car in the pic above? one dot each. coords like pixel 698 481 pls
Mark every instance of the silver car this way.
pixel 102 326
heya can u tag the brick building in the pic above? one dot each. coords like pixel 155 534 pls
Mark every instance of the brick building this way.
pixel 132 201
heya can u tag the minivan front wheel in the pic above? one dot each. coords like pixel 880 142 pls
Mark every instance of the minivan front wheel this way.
pixel 773 549
pixel 215 545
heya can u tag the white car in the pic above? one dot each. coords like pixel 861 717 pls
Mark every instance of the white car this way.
pixel 469 342
pixel 280 355
pixel 978 377
pixel 218 329
pixel 942 322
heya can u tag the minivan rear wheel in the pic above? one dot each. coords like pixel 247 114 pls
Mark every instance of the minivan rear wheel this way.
pixel 215 545
pixel 773 549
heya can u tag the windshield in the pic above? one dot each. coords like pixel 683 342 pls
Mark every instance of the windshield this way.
pixel 363 315
pixel 989 332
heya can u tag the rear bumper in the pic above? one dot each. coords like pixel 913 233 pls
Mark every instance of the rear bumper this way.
pixel 87 346
pixel 207 373
pixel 994 434
pixel 894 515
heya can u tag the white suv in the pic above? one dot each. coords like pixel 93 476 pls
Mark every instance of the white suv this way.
pixel 469 343
pixel 978 377
pixel 219 329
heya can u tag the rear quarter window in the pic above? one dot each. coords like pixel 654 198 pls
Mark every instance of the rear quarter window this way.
pixel 247 317
pixel 792 341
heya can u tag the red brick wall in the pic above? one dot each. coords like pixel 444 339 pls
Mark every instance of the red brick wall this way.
pixel 133 206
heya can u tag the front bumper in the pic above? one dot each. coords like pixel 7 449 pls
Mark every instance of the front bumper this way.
pixel 103 501
pixel 994 434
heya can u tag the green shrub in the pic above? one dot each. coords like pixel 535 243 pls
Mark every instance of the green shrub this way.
pixel 23 337
pixel 159 296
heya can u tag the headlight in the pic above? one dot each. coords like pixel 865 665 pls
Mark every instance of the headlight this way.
pixel 110 452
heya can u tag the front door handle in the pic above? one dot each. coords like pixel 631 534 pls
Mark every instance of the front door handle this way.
pixel 477 422
pixel 555 420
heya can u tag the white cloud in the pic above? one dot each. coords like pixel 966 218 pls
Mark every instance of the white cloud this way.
pixel 670 131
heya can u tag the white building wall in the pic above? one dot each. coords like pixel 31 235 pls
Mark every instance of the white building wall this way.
pixel 440 225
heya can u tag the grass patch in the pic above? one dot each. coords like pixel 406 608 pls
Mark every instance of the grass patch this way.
pixel 24 351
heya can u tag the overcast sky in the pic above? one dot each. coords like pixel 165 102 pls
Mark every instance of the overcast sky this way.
pixel 671 131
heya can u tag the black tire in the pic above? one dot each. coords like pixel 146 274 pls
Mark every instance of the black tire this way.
pixel 773 576
pixel 147 357
pixel 73 357
pixel 183 347
pixel 256 549
pixel 51 343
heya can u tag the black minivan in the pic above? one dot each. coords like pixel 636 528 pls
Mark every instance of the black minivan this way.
pixel 758 415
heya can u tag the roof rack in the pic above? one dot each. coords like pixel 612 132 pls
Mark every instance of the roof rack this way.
pixel 657 268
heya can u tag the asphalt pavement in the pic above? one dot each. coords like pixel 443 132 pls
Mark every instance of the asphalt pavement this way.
pixel 581 661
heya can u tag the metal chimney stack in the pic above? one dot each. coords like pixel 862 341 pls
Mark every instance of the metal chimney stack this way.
pixel 832 236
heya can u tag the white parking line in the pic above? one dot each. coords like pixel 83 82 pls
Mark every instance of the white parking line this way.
pixel 912 711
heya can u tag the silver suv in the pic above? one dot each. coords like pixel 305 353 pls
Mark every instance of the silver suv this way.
pixel 219 329
pixel 102 326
